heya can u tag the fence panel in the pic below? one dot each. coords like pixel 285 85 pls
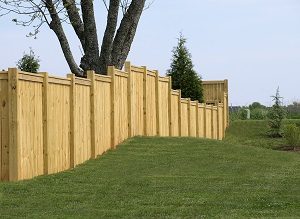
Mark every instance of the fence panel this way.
pixel 137 101
pixel 208 125
pixel 193 119
pixel 163 100
pixel 82 121
pixel 58 125
pixel 220 119
pixel 175 113
pixel 102 114
pixel 215 122
pixel 121 107
pixel 4 153
pixel 201 120
pixel 31 123
pixel 184 118
pixel 151 123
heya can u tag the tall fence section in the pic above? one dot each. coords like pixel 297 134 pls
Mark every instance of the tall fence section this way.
pixel 217 92
pixel 50 124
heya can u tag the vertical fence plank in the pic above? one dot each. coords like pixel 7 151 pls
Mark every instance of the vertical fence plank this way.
pixel 205 123
pixel 91 76
pixel 13 116
pixel 45 123
pixel 179 114
pixel 197 118
pixel 212 121
pixel 170 106
pixel 145 101
pixel 111 72
pixel 189 117
pixel 218 122
pixel 72 120
pixel 157 103
pixel 129 97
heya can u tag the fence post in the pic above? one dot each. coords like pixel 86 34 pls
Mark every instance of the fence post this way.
pixel 157 103
pixel 91 76
pixel 170 107
pixel 45 123
pixel 72 119
pixel 145 101
pixel 189 117
pixel 13 120
pixel 179 114
pixel 129 97
pixel 197 118
pixel 111 72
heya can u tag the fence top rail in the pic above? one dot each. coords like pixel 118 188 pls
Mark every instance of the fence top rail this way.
pixel 213 82
pixel 3 76
pixel 82 81
pixel 59 81
pixel 137 69
pixel 176 92
pixel 163 79
pixel 151 73
pixel 121 73
pixel 103 78
pixel 184 100
pixel 58 78
pixel 201 105
pixel 3 72
pixel 194 103
pixel 25 76
pixel 31 74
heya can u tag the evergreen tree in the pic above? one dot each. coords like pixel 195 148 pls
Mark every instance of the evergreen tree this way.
pixel 183 75
pixel 275 116
pixel 29 62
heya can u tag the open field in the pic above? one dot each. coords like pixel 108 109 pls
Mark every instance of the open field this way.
pixel 167 178
pixel 254 133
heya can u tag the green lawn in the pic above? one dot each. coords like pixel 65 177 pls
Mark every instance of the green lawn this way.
pixel 254 133
pixel 166 178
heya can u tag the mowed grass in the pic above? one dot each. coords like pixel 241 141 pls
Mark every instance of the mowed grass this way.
pixel 165 178
pixel 254 133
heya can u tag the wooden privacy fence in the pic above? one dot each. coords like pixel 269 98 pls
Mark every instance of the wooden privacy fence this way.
pixel 217 92
pixel 50 124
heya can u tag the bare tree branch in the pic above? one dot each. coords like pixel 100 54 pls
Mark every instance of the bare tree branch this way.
pixel 75 19
pixel 56 26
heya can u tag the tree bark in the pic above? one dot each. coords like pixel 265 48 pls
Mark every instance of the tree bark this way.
pixel 126 33
pixel 108 38
pixel 90 60
pixel 75 19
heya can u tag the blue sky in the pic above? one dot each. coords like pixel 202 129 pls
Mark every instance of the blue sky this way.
pixel 255 44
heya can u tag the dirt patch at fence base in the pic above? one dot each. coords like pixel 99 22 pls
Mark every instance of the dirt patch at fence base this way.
pixel 288 149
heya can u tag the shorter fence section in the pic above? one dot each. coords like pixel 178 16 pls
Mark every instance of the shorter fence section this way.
pixel 50 124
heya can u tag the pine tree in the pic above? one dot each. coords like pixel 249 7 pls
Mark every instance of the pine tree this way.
pixel 275 116
pixel 183 75
pixel 29 62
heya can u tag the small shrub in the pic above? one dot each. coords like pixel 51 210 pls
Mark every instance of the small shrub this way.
pixel 258 114
pixel 292 135
pixel 29 62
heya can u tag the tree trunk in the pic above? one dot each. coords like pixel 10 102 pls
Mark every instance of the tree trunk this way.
pixel 90 60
